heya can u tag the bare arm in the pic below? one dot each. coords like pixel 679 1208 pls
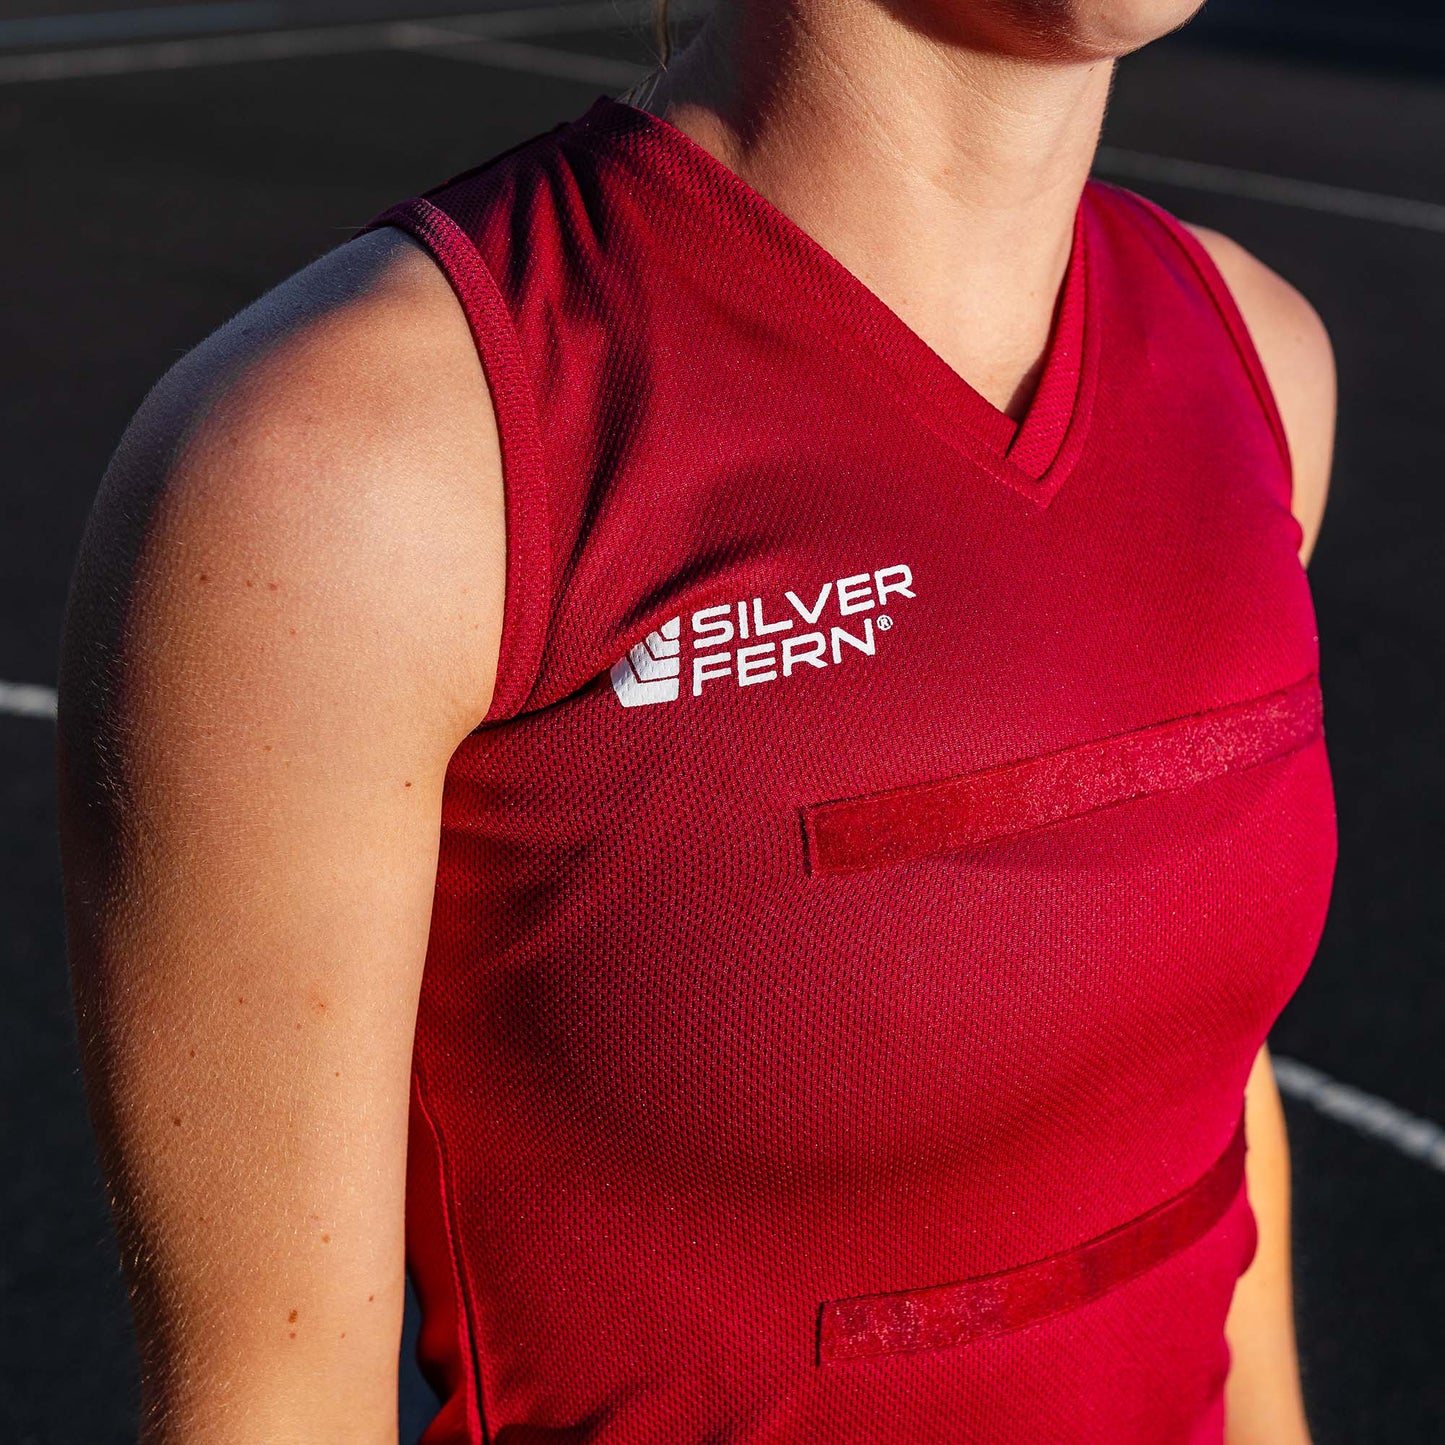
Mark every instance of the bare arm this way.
pixel 283 620
pixel 1264 1405
pixel 1263 1401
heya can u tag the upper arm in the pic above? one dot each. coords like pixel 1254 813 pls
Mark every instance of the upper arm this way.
pixel 283 620
pixel 1295 350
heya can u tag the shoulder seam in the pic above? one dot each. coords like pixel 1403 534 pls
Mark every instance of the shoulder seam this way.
pixel 480 169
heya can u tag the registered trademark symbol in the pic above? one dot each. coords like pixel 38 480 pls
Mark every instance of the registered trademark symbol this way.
pixel 884 622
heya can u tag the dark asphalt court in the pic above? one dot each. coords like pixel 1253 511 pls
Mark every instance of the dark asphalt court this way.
pixel 140 210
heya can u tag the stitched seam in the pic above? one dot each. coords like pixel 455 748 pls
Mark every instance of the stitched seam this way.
pixel 1077 417
pixel 1071 444
pixel 460 1281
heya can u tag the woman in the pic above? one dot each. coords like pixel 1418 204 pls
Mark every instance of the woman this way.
pixel 791 604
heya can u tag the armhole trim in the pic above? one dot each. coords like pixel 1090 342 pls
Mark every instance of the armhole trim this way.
pixel 1217 288
pixel 527 605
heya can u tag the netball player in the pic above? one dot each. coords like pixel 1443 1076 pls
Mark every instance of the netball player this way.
pixel 788 600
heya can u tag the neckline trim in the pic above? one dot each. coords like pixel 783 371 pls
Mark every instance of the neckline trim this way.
pixel 1033 456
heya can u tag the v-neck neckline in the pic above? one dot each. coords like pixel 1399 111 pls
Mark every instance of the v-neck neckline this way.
pixel 1033 456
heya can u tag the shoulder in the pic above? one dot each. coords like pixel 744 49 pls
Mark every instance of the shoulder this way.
pixel 278 631
pixel 333 443
pixel 1294 348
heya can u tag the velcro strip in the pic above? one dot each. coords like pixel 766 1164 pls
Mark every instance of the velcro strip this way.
pixel 928 818
pixel 993 1304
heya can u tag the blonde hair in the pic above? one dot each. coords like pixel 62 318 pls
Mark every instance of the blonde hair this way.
pixel 641 92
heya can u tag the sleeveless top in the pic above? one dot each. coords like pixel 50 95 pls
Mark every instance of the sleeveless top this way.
pixel 894 832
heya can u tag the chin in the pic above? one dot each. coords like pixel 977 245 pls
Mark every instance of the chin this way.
pixel 1115 27
pixel 1072 29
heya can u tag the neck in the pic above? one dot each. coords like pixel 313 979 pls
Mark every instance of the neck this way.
pixel 944 174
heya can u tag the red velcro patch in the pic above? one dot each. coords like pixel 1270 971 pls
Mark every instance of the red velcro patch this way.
pixel 927 818
pixel 993 1304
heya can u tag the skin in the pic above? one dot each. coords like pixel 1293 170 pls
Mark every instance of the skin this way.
pixel 285 618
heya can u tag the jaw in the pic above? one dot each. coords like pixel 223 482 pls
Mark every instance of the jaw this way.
pixel 1056 30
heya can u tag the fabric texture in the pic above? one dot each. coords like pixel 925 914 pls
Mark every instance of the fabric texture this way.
pixel 893 835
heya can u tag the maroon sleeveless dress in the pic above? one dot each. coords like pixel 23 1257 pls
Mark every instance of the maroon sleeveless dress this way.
pixel 892 838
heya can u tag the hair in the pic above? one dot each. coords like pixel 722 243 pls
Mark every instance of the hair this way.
pixel 661 32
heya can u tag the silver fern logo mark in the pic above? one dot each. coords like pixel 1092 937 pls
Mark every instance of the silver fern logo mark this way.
pixel 650 672
pixel 765 639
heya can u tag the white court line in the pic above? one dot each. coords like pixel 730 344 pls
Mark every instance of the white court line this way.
pixel 192 54
pixel 435 34
pixel 1282 190
pixel 179 22
pixel 530 59
pixel 561 19
pixel 27 699
pixel 41 30
pixel 437 38
pixel 1420 1139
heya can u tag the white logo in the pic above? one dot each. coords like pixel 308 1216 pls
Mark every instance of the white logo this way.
pixel 649 673
pixel 652 671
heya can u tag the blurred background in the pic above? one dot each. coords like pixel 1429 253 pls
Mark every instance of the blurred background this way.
pixel 164 164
